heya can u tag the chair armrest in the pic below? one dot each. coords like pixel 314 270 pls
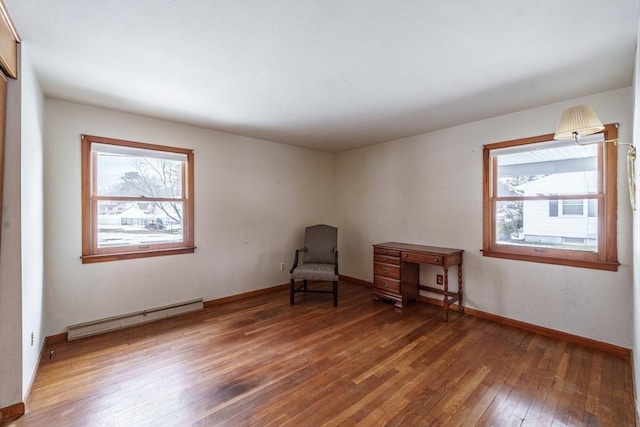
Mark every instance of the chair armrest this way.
pixel 295 260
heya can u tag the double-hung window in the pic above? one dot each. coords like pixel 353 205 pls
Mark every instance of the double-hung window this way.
pixel 137 200
pixel 552 201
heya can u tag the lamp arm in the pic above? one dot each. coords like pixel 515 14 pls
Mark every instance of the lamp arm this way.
pixel 632 148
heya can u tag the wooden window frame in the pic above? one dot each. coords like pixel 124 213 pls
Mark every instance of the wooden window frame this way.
pixel 90 252
pixel 606 256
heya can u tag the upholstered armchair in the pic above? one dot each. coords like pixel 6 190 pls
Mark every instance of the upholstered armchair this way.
pixel 316 261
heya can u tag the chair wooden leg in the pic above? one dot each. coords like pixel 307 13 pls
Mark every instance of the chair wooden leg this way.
pixel 292 291
pixel 335 293
pixel 304 282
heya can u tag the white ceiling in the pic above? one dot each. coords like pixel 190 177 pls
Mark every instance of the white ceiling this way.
pixel 327 74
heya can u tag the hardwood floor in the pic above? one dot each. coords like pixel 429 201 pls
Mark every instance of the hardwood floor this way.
pixel 261 361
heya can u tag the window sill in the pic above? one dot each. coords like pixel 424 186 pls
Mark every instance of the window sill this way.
pixel 89 259
pixel 598 265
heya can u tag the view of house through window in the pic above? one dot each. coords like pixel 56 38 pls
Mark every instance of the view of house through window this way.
pixel 544 176
pixel 551 201
pixel 137 196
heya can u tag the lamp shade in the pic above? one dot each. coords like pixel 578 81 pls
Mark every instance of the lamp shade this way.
pixel 576 122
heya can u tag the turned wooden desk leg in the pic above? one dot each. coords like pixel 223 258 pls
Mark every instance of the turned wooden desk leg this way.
pixel 460 308
pixel 445 300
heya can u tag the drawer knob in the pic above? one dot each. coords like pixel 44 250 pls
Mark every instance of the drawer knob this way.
pixel 405 255
pixel 384 258
pixel 385 269
pixel 435 260
pixel 385 285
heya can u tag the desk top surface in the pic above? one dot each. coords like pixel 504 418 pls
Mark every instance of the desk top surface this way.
pixel 419 248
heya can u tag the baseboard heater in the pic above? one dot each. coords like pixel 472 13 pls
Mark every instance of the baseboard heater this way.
pixel 96 327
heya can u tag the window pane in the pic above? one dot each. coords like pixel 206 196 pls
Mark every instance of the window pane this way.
pixel 560 170
pixel 509 222
pixel 572 207
pixel 529 223
pixel 138 223
pixel 133 176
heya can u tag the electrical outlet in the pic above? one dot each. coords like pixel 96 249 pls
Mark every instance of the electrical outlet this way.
pixel 31 339
pixel 439 279
pixel 282 266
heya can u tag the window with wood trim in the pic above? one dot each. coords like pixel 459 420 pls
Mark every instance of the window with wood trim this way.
pixel 552 201
pixel 137 200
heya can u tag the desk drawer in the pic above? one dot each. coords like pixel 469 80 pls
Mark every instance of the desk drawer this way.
pixel 385 251
pixel 387 270
pixel 422 258
pixel 386 284
pixel 386 259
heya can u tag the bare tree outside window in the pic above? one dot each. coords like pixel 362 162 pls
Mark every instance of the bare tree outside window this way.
pixel 154 178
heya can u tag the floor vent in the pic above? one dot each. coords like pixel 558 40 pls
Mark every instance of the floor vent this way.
pixel 96 327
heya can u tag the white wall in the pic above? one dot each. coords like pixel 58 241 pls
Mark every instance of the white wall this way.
pixel 21 256
pixel 32 199
pixel 253 199
pixel 427 189
pixel 10 258
pixel 636 232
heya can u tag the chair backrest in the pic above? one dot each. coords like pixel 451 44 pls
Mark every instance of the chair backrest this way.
pixel 320 240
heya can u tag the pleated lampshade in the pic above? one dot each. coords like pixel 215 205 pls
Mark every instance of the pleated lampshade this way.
pixel 576 122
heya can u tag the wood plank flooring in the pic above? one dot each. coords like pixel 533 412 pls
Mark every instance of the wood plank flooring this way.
pixel 263 362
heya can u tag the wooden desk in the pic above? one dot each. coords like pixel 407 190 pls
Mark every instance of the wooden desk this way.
pixel 396 273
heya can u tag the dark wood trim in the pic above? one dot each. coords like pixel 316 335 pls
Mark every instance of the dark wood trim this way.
pixel 575 339
pixel 355 281
pixel 55 339
pixel 90 252
pixel 606 257
pixel 3 128
pixel 487 194
pixel 245 295
pixel 33 378
pixel 598 265
pixel 610 220
pixel 8 44
pixel 86 177
pixel 520 141
pixel 5 15
pixel 88 259
pixel 136 144
pixel 137 199
pixel 190 195
pixel 277 288
pixel 12 412
pixel 47 340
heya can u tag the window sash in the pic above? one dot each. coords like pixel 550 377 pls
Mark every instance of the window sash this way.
pixel 91 252
pixel 125 150
pixel 606 255
pixel 143 226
